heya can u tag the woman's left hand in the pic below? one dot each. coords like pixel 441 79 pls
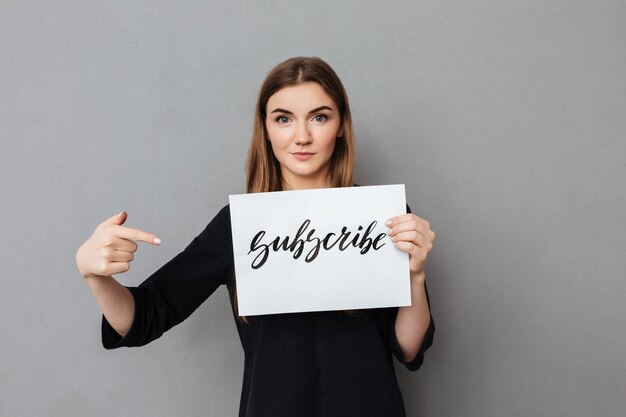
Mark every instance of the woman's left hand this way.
pixel 411 233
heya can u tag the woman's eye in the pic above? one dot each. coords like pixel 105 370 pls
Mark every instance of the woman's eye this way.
pixel 282 119
pixel 320 118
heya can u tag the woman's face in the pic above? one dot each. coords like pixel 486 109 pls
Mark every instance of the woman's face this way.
pixel 302 124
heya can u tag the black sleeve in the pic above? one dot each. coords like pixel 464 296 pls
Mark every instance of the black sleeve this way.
pixel 416 363
pixel 178 288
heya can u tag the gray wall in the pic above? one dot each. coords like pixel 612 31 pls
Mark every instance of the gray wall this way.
pixel 505 119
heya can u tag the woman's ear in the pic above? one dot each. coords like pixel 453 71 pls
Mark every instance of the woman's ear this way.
pixel 340 133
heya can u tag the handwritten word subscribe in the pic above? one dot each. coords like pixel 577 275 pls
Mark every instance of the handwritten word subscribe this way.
pixel 296 244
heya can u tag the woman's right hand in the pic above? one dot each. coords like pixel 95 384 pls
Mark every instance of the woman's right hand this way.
pixel 109 250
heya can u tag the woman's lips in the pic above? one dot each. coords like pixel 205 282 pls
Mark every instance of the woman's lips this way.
pixel 303 156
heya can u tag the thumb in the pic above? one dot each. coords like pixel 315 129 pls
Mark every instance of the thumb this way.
pixel 116 219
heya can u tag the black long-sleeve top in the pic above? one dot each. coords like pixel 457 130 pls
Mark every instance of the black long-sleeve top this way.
pixel 321 364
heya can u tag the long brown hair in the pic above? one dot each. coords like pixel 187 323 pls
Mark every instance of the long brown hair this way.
pixel 263 172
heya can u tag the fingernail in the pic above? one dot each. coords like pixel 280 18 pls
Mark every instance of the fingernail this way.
pixel 156 240
pixel 388 222
pixel 120 215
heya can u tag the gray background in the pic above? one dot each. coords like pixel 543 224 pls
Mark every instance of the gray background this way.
pixel 505 120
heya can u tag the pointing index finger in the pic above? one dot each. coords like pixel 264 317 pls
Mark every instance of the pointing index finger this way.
pixel 132 233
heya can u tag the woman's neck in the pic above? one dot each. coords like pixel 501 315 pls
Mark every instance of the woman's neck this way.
pixel 306 184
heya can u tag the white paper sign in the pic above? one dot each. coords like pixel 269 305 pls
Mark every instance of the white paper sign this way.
pixel 319 249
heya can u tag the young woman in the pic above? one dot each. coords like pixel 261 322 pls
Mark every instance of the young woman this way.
pixel 328 363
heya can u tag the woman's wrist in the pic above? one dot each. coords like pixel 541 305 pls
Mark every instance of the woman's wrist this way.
pixel 418 278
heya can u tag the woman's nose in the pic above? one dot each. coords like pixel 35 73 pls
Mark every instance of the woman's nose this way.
pixel 303 135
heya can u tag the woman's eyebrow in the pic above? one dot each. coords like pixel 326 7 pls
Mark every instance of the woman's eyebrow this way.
pixel 279 110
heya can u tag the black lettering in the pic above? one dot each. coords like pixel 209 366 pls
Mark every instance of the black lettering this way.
pixel 344 240
pixel 315 250
pixel 355 240
pixel 298 241
pixel 326 239
pixel 378 239
pixel 254 245
pixel 366 241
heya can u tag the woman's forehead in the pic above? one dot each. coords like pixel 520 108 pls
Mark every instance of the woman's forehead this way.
pixel 300 98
